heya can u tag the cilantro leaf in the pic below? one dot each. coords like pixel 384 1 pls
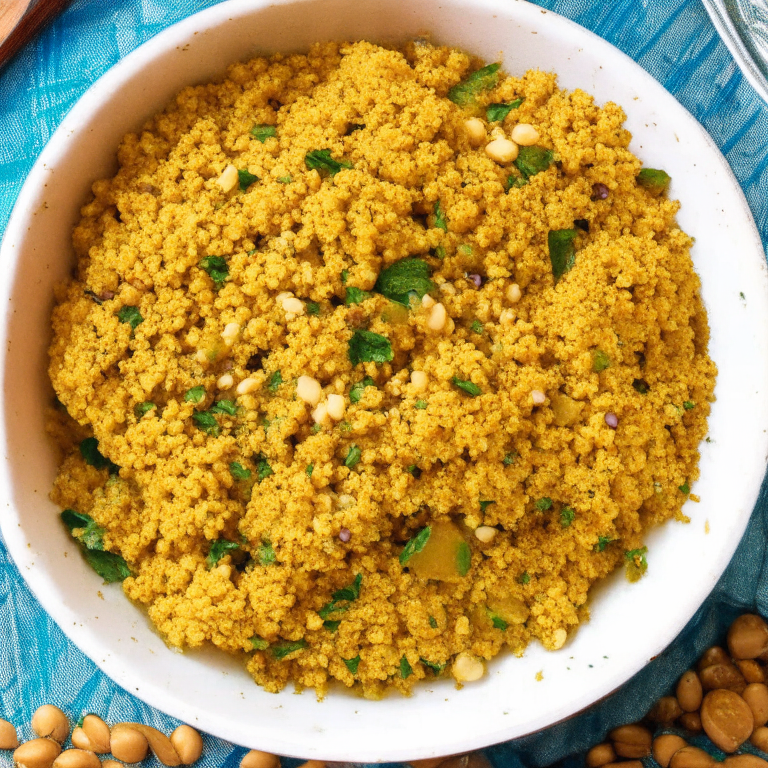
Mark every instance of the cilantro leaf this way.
pixel 466 386
pixel 281 650
pixel 266 553
pixel 498 622
pixel 321 160
pixel 344 276
pixel 206 421
pixel 246 178
pixel 638 553
pixel 356 295
pixel 524 578
pixel 356 392
pixel 310 469
pixel 130 315
pixel 434 666
pixel 515 182
pixel 637 565
pixel 366 346
pixel 416 544
pixel 509 459
pixel 348 593
pixel 463 559
pixel 217 269
pixel 684 488
pixel 91 534
pixel 313 308
pixel 476 327
pixel 466 92
pixel 263 470
pixel 140 409
pixel 432 623
pixel 689 405
pixel 218 549
pixel 403 278
pixel 262 131
pixel 110 566
pixel 562 252
pixel 485 504
pixel 405 668
pixel 258 643
pixel 352 664
pixel 567 515
pixel 353 456
pixel 533 160
pixel 412 469
pixel 497 112
pixel 275 380
pixel 602 543
pixel 238 471
pixel 544 504
pixel 600 361
pixel 224 406
pixel 89 450
pixel 653 180
pixel 332 625
pixel 421 405
pixel 440 221
pixel 285 179
pixel 194 395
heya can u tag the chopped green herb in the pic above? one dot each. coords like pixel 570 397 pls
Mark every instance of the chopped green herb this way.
pixel 110 566
pixel 206 421
pixel 130 315
pixel 689 405
pixel 405 278
pixel 217 269
pixel 266 553
pixel 316 428
pixel 321 161
pixel 496 112
pixel 562 252
pixel 194 395
pixel 140 409
pixel 238 471
pixel 421 405
pixel 464 250
pixel 310 469
pixel 344 276
pixel 352 664
pixel 258 643
pixel 603 542
pixel 356 392
pixel 533 160
pixel 463 559
pixel 246 178
pixel 466 92
pixel 440 221
pixel 434 666
pixel 684 488
pixel 224 406
pixel 281 650
pixel 641 386
pixel 600 361
pixel 353 456
pixel 544 504
pixel 466 386
pixel 348 593
pixel 332 625
pixel 509 459
pixel 567 514
pixel 476 327
pixel 356 295
pixel 285 179
pixel 366 346
pixel 485 504
pixel 275 380
pixel 498 622
pixel 515 182
pixel 438 252
pixel 262 131
pixel 524 578
pixel 89 450
pixel 218 549
pixel 412 469
pixel 263 470
pixel 638 553
pixel 313 308
pixel 90 534
pixel 414 545
pixel 653 180
pixel 433 622
pixel 405 668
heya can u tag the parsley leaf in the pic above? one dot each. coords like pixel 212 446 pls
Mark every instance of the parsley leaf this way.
pixel 600 361
pixel 637 565
pixel 262 131
pixel 281 650
pixel 217 269
pixel 194 395
pixel 353 456
pixel 356 392
pixel 420 405
pixel 238 471
pixel 466 92
pixel 497 112
pixel 356 295
pixel 313 308
pixel 515 182
pixel 533 160
pixel 89 450
pixel 463 558
pixel 544 504
pixel 498 622
pixel 466 386
pixel 246 178
pixel 321 160
pixel 414 545
pixel 258 643
pixel 266 553
pixel 224 406
pixel 352 664
pixel 403 278
pixel 348 593
pixel 285 179
pixel 524 578
pixel 562 252
pixel 90 533
pixel 653 180
pixel 344 276
pixel 405 668
pixel 689 405
pixel 434 666
pixel 485 504
pixel 602 543
pixel 263 470
pixel 567 515
pixel 218 549
pixel 130 315
pixel 412 469
pixel 366 346
pixel 140 409
pixel 476 327
pixel 275 380
pixel 638 553
pixel 432 623
pixel 310 469
pixel 332 625
pixel 509 459
pixel 110 566
pixel 206 421
pixel 440 221
pixel 684 488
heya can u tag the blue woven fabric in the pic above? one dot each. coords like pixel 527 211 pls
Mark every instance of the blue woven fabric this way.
pixel 672 39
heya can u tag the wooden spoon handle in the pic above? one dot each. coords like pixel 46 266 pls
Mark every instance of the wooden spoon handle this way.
pixel 24 23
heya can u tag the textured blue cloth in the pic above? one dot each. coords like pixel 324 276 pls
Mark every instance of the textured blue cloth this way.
pixel 672 39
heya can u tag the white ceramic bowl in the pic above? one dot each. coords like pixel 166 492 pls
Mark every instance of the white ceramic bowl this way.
pixel 630 623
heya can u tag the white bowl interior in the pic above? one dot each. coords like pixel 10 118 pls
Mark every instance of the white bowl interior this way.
pixel 212 691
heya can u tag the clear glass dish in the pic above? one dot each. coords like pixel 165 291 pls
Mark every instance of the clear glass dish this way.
pixel 743 25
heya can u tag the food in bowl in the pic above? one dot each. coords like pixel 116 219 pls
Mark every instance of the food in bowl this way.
pixel 374 361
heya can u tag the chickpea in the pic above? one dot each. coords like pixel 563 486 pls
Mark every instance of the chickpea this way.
pixel 744 761
pixel 97 733
pixel 77 758
pixel 665 711
pixel 759 738
pixel 8 737
pixel 128 744
pixel 158 742
pixel 689 691
pixel 756 696
pixel 665 746
pixel 600 755
pixel 691 757
pixel 111 764
pixel 188 744
pixel 691 721
pixel 713 655
pixel 257 759
pixel 727 719
pixel 38 753
pixel 313 764
pixel 752 671
pixel 722 676
pixel 631 741
pixel 49 721
pixel 748 637
pixel 625 764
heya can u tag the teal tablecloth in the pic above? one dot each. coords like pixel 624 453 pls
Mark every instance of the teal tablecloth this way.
pixel 672 39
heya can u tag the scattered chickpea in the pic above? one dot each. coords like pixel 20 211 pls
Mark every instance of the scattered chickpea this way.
pixel 309 390
pixel 228 178
pixel 257 759
pixel 748 637
pixel 77 758
pixel 8 737
pixel 38 753
pixel 486 533
pixel 599 755
pixel 128 744
pixel 225 382
pixel 514 294
pixel 111 764
pixel 631 741
pixel 313 764
pixel 419 380
pixel 475 129
pixel 49 721
pixel 759 738
pixel 188 743
pixel 96 732
pixel 665 746
pixel 336 406
pixel 689 691
pixel 538 397
pixel 691 757
pixel 501 151
pixel 437 318
pixel 524 134
pixel 246 386
pixel 467 668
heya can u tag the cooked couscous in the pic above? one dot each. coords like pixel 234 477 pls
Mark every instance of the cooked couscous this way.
pixel 374 361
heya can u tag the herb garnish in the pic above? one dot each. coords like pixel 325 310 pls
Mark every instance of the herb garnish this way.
pixel 217 269
pixel 310 469
pixel 130 315
pixel 533 160
pixel 433 622
pixel 414 545
pixel 349 593
pixel 313 308
pixel 321 160
pixel 140 409
pixel 689 405
pixel 641 386
pixel 497 112
pixel 497 621
pixel 524 578
pixel 266 553
pixel 366 346
pixel 89 450
pixel 262 131
pixel 567 515
pixel 600 361
pixel 421 405
pixel 258 643
pixel 485 504
pixel 403 278
pixel 194 395
pixel 544 504
pixel 440 221
pixel 353 456
pixel 246 178
pixel 466 386
pixel 352 664
pixel 206 421
pixel 218 549
pixel 281 650
pixel 684 488
pixel 356 392
pixel 603 542
pixel 332 625
pixel 562 252
pixel 238 471
pixel 509 459
pixel 463 558
pixel 434 666
pixel 653 180
pixel 405 668
pixel 263 470
pixel 355 295
pixel 224 406
pixel 476 327
pixel 275 380
pixel 466 92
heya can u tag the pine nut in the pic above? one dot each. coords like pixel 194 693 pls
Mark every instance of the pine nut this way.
pixel 475 129
pixel 293 306
pixel 437 318
pixel 507 316
pixel 427 301
pixel 419 380
pixel 230 333
pixel 228 178
pixel 49 721
pixel 467 668
pixel 514 294
pixel 501 151
pixel 524 134
pixel 335 406
pixel 188 744
pixel 538 397
pixel 486 533
pixel 246 386
pixel 309 390
pixel 320 414
pixel 225 382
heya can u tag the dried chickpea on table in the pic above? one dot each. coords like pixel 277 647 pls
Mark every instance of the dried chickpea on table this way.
pixel 373 362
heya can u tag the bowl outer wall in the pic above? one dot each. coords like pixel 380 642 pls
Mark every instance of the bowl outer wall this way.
pixel 629 625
